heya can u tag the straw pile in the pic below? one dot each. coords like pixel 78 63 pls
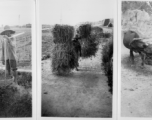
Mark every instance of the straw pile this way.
pixel 85 30
pixel 89 44
pixel 63 58
pixel 89 47
pixel 62 33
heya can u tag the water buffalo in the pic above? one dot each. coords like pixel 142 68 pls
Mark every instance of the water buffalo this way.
pixel 138 46
pixel 132 41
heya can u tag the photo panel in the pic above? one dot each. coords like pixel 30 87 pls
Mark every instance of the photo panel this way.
pixel 135 59
pixel 17 50
pixel 75 57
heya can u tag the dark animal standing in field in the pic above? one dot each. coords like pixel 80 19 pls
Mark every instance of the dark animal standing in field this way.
pixel 138 46
pixel 132 41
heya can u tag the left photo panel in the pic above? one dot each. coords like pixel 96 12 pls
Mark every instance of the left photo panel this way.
pixel 16 18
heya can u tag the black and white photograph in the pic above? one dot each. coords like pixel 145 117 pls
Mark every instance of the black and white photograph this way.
pixel 16 58
pixel 77 58
pixel 136 59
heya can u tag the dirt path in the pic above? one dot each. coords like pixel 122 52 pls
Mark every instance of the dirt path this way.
pixel 136 87
pixel 83 93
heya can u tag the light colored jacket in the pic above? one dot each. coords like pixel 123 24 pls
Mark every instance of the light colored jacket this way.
pixel 10 49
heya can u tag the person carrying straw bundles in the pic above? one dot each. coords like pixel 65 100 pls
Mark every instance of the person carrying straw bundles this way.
pixel 9 53
pixel 77 47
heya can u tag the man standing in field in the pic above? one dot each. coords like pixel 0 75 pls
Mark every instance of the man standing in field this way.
pixel 77 47
pixel 8 53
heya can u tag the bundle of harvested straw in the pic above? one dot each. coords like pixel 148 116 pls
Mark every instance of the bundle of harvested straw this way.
pixel 84 30
pixel 89 46
pixel 63 58
pixel 62 33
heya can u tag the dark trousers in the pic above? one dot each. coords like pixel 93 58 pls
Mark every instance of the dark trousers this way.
pixel 11 65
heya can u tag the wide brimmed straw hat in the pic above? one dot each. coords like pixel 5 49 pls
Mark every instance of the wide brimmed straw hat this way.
pixel 7 29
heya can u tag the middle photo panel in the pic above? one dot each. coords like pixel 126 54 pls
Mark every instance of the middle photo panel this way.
pixel 77 58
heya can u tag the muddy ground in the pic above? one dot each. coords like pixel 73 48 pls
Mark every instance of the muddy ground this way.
pixel 136 87
pixel 83 93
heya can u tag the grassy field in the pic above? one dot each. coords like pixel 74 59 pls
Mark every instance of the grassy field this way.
pixel 47 43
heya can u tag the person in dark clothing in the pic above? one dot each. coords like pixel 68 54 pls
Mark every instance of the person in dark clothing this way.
pixel 77 47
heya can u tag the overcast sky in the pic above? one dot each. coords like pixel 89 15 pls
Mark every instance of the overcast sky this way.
pixel 75 11
pixel 10 10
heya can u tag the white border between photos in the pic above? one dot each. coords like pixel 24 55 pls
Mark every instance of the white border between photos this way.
pixel 34 61
pixel 119 66
pixel 39 56
pixel 33 37
pixel 39 78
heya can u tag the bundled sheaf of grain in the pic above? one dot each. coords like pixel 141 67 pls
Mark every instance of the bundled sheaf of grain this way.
pixel 89 46
pixel 62 33
pixel 85 30
pixel 63 59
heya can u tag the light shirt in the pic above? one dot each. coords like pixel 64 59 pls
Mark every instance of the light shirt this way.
pixel 10 49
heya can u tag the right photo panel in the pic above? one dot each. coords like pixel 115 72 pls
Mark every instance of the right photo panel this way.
pixel 136 59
